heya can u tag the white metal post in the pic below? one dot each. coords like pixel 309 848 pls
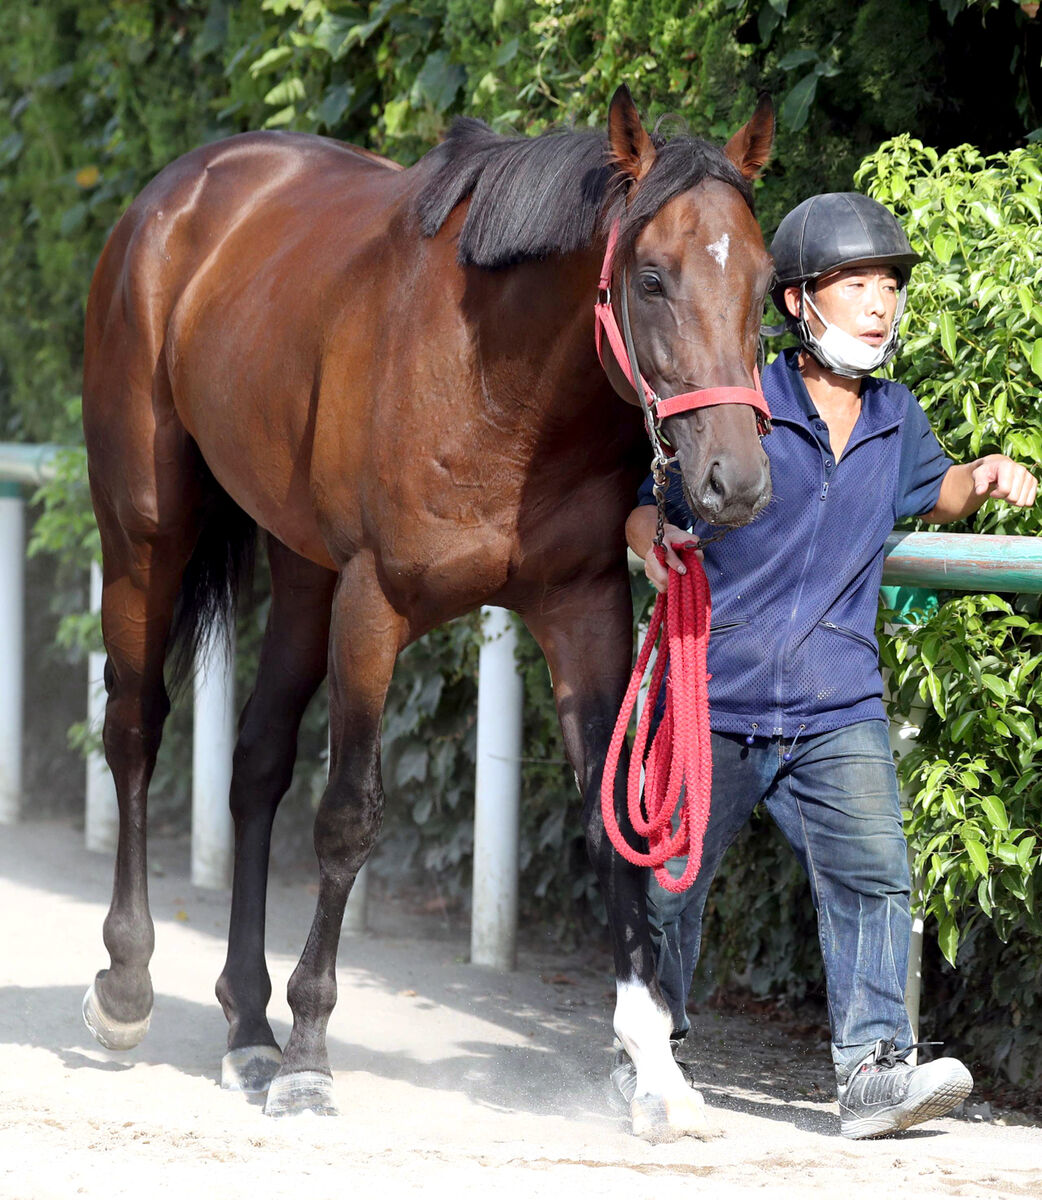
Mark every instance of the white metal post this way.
pixel 493 934
pixel 102 813
pixel 12 655
pixel 903 736
pixel 356 911
pixel 213 744
pixel 904 732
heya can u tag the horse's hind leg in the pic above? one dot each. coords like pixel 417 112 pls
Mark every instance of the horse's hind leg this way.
pixel 147 539
pixel 365 637
pixel 292 665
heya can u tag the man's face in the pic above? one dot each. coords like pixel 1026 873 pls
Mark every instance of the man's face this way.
pixel 859 300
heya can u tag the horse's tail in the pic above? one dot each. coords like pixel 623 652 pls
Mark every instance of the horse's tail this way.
pixel 219 571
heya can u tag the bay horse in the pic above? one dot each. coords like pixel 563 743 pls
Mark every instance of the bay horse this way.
pixel 393 374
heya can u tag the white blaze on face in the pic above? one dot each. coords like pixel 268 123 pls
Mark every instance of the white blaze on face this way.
pixel 720 249
pixel 644 1028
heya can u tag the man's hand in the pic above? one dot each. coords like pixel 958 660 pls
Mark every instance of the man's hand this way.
pixel 965 487
pixel 1000 478
pixel 671 538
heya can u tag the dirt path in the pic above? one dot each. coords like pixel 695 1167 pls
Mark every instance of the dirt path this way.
pixel 451 1079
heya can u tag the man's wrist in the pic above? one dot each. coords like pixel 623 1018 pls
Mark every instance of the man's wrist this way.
pixel 640 529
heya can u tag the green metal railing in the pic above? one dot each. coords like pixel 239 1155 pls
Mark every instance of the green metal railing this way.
pixel 964 562
pixel 22 465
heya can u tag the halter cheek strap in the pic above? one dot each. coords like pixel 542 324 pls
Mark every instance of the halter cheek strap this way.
pixel 657 408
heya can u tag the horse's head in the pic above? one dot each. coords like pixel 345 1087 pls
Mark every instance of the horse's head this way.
pixel 696 273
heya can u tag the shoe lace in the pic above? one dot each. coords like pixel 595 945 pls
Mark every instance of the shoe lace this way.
pixel 888 1055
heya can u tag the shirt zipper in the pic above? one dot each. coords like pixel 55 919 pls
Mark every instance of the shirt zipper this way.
pixel 784 651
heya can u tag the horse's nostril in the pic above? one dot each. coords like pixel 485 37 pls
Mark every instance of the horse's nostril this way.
pixel 716 481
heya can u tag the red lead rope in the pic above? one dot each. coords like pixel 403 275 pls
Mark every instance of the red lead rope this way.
pixel 680 755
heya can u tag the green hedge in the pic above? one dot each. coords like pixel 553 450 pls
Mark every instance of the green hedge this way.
pixel 971 670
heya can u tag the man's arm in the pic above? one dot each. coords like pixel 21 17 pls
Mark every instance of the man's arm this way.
pixel 965 488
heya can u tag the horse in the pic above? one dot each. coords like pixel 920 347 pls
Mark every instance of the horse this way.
pixel 392 374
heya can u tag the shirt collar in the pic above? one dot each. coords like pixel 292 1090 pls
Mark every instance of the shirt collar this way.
pixel 790 401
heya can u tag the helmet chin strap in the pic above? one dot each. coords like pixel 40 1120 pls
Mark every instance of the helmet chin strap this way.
pixel 838 351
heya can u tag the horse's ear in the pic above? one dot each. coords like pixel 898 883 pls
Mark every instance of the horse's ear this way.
pixel 750 148
pixel 630 147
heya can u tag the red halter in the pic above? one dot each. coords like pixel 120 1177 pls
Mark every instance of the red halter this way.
pixel 654 404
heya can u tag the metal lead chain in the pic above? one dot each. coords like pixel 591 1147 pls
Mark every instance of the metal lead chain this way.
pixel 658 474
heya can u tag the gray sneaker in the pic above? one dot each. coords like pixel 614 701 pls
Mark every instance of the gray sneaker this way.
pixel 883 1094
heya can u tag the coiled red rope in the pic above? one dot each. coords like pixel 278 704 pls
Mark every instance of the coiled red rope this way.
pixel 680 755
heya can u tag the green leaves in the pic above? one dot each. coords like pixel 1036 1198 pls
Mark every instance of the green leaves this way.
pixel 439 80
pixel 946 327
pixel 995 811
pixel 271 60
pixel 797 103
pixel 948 937
pixel 507 52
pixel 977 854
pixel 971 331
pixel 334 104
pixel 944 247
pixel 972 356
pixel 962 724
pixel 974 795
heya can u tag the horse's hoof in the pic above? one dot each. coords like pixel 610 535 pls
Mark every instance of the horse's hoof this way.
pixel 659 1119
pixel 301 1092
pixel 250 1068
pixel 110 1033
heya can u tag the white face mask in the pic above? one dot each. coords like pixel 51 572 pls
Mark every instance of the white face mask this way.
pixel 843 353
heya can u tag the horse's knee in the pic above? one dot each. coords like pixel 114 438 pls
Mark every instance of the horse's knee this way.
pixel 349 818
pixel 602 855
pixel 346 832
pixel 262 770
pixel 587 744
pixel 134 722
pixel 598 848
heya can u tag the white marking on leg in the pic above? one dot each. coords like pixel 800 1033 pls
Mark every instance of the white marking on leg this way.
pixel 719 250
pixel 644 1028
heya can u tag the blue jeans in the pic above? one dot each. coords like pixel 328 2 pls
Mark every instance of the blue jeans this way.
pixel 837 804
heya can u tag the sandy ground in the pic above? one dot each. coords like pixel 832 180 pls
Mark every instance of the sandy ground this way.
pixel 452 1079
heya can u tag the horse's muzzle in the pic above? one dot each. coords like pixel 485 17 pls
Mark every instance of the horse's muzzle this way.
pixel 730 494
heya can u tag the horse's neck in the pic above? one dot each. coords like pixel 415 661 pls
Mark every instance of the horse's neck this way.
pixel 538 362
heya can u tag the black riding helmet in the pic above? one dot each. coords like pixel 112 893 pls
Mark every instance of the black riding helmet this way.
pixel 838 229
pixel 831 231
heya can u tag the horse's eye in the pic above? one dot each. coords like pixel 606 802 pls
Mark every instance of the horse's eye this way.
pixel 650 284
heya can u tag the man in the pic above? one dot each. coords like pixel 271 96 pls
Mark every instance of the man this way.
pixel 795 695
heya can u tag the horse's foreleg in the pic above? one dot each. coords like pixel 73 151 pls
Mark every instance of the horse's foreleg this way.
pixel 141 579
pixel 292 665
pixel 587 639
pixel 365 637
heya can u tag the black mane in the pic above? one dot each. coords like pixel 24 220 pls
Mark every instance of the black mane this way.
pixel 535 197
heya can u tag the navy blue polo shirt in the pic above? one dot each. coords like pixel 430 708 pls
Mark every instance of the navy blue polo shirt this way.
pixel 795 593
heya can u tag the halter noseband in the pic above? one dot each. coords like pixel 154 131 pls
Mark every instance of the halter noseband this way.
pixel 657 408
